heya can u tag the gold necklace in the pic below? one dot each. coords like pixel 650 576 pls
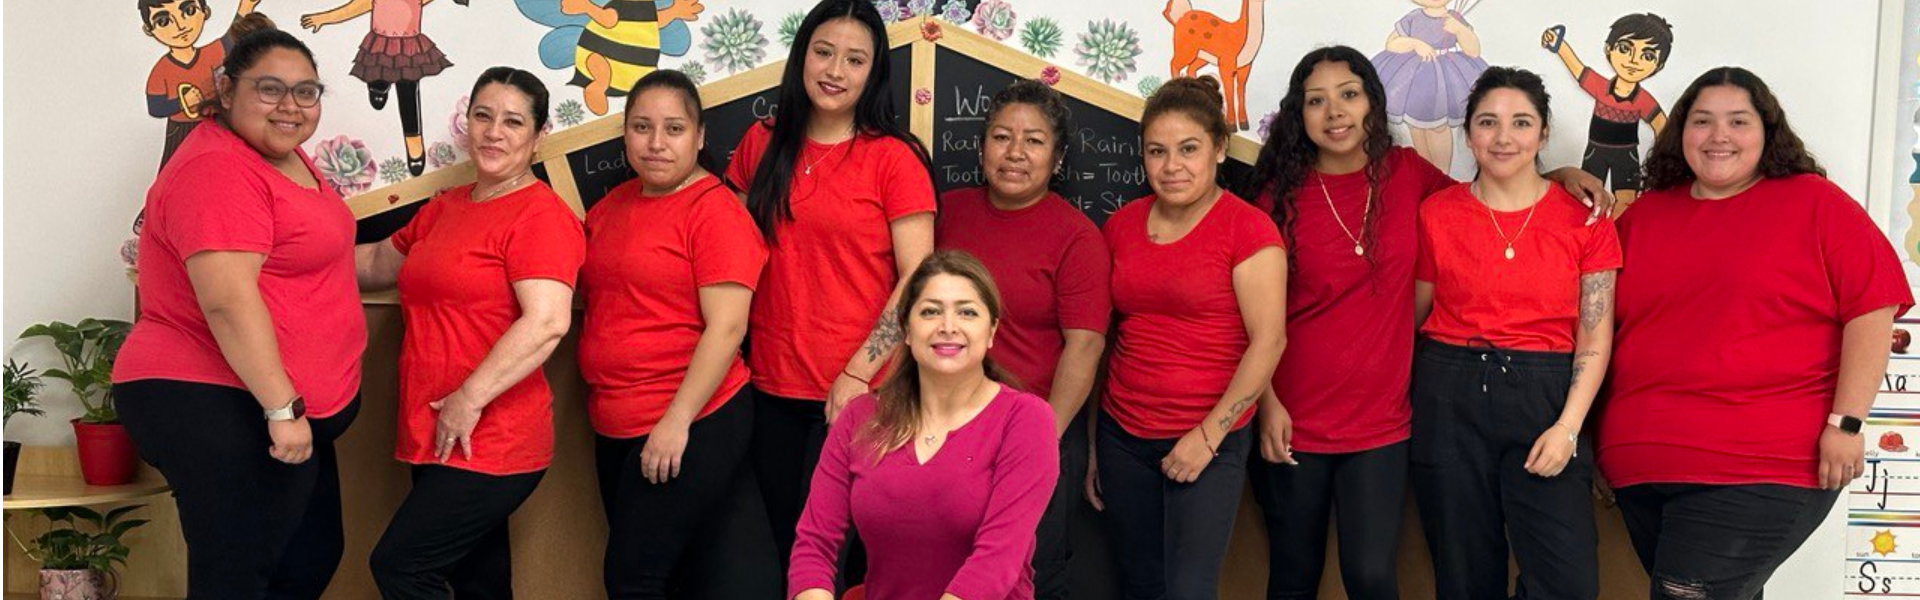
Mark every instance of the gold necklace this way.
pixel 1496 221
pixel 502 188
pixel 1358 248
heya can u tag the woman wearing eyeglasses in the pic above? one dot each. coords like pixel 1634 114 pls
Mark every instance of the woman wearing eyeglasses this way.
pixel 248 306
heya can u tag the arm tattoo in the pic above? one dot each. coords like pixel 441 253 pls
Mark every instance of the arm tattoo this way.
pixel 886 335
pixel 1596 298
pixel 1233 412
pixel 1580 364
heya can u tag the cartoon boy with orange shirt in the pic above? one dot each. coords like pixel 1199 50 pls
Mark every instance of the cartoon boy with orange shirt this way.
pixel 183 77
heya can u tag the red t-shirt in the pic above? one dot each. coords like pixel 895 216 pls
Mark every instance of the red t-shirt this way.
pixel 647 258
pixel 1349 357
pixel 1181 333
pixel 1531 302
pixel 831 268
pixel 1730 316
pixel 1616 120
pixel 218 194
pixel 456 295
pixel 1051 266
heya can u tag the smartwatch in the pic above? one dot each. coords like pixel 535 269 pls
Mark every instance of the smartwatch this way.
pixel 294 409
pixel 1846 424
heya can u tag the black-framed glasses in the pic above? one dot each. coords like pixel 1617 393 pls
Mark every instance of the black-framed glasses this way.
pixel 272 90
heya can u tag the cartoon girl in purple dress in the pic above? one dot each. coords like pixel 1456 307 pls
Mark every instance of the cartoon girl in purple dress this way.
pixel 1431 61
pixel 395 55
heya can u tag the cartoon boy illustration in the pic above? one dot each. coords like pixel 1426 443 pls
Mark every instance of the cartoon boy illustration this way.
pixel 183 77
pixel 1637 48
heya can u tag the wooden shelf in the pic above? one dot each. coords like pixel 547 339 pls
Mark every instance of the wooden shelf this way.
pixel 45 491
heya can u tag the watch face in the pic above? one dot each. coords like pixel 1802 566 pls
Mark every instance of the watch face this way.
pixel 299 407
pixel 1850 424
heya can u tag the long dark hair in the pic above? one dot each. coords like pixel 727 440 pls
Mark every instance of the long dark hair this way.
pixel 1781 151
pixel 768 195
pixel 1289 154
pixel 668 79
pixel 897 419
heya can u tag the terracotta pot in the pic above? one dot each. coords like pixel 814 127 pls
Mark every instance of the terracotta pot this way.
pixel 81 584
pixel 107 456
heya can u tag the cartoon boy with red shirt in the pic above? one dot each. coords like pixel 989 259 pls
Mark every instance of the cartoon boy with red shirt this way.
pixel 183 77
pixel 1637 48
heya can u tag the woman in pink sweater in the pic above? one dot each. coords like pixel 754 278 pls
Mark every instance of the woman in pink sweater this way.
pixel 945 470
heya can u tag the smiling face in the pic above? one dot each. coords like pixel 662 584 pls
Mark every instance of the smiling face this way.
pixel 663 138
pixel 1506 133
pixel 1723 138
pixel 500 130
pixel 839 60
pixel 1333 111
pixel 1019 153
pixel 1634 60
pixel 950 326
pixel 1182 159
pixel 177 24
pixel 274 129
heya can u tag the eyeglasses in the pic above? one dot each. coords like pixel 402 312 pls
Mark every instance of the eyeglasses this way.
pixel 272 90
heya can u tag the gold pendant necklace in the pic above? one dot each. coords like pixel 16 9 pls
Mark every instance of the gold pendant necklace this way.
pixel 1496 221
pixel 1359 249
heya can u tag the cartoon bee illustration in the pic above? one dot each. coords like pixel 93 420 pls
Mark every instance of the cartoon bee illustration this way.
pixel 610 44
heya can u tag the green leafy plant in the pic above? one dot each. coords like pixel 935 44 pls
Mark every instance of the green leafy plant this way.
pixel 22 390
pixel 69 545
pixel 87 349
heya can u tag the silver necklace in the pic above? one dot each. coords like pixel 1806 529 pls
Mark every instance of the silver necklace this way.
pixel 1496 221
pixel 825 153
pixel 502 188
pixel 1359 249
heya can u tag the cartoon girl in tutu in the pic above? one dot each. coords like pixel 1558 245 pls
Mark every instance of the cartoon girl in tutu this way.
pixel 1431 61
pixel 395 55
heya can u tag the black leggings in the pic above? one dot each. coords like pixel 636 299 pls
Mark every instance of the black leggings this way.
pixel 255 527
pixel 451 534
pixel 1053 546
pixel 787 436
pixel 1366 491
pixel 1170 538
pixel 702 534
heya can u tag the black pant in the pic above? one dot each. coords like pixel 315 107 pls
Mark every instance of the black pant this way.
pixel 1476 415
pixel 451 534
pixel 701 534
pixel 1053 549
pixel 1366 491
pixel 1171 537
pixel 255 527
pixel 787 436
pixel 1718 541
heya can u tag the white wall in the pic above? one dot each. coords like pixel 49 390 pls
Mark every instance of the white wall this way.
pixel 83 149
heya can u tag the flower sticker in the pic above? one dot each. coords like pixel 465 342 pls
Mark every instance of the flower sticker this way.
pixel 930 30
pixel 441 154
pixel 393 170
pixel 1041 37
pixel 994 19
pixel 347 165
pixel 1050 75
pixel 457 124
pixel 923 96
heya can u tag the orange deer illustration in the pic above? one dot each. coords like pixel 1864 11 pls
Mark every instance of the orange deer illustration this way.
pixel 1201 38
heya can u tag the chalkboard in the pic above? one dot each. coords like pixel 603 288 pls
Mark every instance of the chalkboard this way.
pixel 1103 169
pixel 602 166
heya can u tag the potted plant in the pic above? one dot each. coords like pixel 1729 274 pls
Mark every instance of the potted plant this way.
pixel 22 389
pixel 76 564
pixel 87 350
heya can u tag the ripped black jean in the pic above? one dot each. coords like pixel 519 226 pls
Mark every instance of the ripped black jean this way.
pixel 1718 542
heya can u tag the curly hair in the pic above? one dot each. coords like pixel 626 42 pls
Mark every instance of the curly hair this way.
pixel 1781 152
pixel 1289 153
